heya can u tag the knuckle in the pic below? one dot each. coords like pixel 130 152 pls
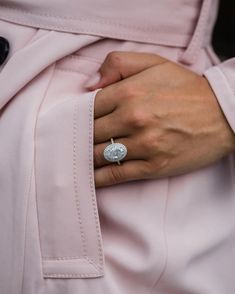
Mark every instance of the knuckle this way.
pixel 161 165
pixel 114 59
pixel 138 119
pixel 150 143
pixel 158 167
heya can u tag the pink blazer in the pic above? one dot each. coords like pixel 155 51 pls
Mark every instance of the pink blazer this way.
pixel 58 233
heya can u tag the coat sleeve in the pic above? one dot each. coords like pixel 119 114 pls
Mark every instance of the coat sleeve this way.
pixel 222 81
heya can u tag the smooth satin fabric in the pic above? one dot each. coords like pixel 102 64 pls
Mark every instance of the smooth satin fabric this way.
pixel 61 235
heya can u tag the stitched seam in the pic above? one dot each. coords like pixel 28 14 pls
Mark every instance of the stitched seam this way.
pixel 30 39
pixel 154 287
pixel 72 71
pixel 26 221
pixel 71 275
pixel 27 42
pixel 84 57
pixel 201 25
pixel 195 42
pixel 32 23
pixel 100 21
pixel 134 36
pixel 68 258
pixel 35 160
pixel 221 74
pixel 123 35
pixel 63 258
pixel 75 180
pixel 91 179
pixel 63 65
pixel 91 261
pixel 30 183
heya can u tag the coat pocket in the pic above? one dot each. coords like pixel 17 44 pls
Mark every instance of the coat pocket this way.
pixel 69 229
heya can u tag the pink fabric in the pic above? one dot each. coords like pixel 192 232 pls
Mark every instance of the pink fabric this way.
pixel 222 81
pixel 58 234
pixel 166 22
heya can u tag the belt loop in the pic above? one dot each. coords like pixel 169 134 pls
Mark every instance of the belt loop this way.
pixel 191 53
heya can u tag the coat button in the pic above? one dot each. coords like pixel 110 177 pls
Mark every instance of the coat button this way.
pixel 4 49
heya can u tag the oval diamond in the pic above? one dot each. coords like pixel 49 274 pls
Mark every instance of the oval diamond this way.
pixel 115 152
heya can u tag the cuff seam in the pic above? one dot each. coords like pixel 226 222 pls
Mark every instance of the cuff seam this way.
pixel 223 92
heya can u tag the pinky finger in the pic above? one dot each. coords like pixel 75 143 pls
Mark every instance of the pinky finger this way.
pixel 115 174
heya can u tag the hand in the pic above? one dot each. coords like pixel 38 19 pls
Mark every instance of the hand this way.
pixel 166 115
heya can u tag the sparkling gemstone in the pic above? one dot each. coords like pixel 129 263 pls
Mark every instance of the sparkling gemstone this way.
pixel 115 152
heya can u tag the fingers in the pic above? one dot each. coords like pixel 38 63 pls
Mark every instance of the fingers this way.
pixel 116 67
pixel 120 65
pixel 105 102
pixel 134 151
pixel 128 171
pixel 109 126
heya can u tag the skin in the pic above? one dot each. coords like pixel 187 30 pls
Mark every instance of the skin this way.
pixel 166 115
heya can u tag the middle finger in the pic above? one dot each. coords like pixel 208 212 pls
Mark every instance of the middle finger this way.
pixel 109 126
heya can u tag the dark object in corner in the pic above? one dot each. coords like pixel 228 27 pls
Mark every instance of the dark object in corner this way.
pixel 224 32
pixel 4 49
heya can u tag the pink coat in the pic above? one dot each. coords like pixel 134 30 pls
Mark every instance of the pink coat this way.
pixel 59 235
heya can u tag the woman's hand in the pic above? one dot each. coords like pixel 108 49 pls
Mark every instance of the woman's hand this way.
pixel 166 115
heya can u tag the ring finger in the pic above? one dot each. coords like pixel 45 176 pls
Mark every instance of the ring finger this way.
pixel 133 151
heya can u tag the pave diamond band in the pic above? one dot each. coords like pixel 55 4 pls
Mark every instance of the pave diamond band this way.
pixel 115 152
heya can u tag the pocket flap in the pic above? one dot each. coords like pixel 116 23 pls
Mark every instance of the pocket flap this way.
pixel 69 229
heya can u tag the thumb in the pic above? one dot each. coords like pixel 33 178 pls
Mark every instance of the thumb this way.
pixel 119 65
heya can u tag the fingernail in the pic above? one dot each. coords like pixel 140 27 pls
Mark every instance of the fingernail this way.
pixel 93 80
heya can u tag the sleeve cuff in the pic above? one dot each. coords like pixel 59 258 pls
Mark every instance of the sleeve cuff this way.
pixel 223 93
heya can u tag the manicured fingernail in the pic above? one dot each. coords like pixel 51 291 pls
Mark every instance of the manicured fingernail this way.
pixel 93 80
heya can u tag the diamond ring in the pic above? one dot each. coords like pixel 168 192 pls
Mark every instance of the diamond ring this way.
pixel 115 152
